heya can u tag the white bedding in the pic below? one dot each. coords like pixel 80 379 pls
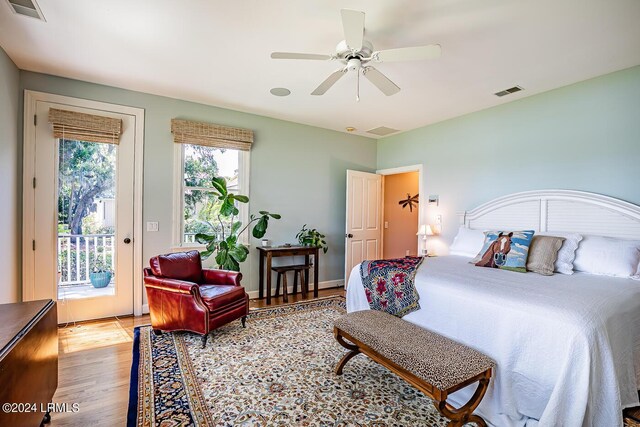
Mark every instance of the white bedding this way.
pixel 567 347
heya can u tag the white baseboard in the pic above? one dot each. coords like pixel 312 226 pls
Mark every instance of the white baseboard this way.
pixel 323 285
pixel 254 294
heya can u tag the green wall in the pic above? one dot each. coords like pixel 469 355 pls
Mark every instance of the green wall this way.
pixel 10 170
pixel 298 171
pixel 585 136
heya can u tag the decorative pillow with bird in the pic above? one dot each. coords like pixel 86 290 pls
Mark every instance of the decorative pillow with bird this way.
pixel 507 250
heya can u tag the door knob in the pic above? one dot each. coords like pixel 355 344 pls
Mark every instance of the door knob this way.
pixel 127 240
pixel 348 236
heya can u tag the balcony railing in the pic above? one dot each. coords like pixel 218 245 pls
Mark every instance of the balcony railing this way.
pixel 189 238
pixel 78 255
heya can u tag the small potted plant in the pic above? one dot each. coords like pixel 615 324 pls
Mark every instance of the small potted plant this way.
pixel 312 237
pixel 101 275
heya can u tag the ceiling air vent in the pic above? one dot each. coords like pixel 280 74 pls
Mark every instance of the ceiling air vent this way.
pixel 27 8
pixel 509 91
pixel 382 131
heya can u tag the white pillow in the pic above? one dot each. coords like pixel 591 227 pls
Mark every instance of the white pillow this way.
pixel 467 242
pixel 607 256
pixel 567 252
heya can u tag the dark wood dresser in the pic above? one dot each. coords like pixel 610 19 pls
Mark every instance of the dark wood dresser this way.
pixel 28 361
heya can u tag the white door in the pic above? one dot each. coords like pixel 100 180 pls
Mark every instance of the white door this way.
pixel 363 239
pixel 83 220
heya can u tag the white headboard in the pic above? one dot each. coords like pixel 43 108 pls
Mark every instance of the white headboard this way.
pixel 557 210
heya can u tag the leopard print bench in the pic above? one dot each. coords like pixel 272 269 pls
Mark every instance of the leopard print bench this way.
pixel 433 364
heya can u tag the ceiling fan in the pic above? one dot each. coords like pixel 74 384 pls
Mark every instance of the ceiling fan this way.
pixel 356 53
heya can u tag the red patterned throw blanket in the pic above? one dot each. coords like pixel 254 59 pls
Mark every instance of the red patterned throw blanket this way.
pixel 389 284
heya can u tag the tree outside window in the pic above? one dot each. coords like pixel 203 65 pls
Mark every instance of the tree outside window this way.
pixel 86 173
pixel 200 207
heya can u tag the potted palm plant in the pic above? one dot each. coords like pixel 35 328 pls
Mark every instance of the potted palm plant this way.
pixel 229 252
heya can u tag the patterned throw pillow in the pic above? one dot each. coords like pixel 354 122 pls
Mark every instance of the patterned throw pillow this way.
pixel 507 250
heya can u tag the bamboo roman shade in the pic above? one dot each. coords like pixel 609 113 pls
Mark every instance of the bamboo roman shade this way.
pixel 199 133
pixel 85 127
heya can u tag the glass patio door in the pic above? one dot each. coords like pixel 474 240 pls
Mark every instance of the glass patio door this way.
pixel 84 219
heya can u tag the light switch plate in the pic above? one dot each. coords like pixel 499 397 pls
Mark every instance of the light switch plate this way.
pixel 152 226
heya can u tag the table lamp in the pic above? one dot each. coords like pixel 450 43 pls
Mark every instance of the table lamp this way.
pixel 425 230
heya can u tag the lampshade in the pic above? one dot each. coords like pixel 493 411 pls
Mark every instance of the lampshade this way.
pixel 425 230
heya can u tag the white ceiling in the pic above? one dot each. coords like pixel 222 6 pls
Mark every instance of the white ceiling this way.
pixel 217 52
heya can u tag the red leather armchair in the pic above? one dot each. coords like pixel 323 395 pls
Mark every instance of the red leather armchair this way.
pixel 183 296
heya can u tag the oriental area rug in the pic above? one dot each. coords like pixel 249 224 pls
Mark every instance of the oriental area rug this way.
pixel 276 372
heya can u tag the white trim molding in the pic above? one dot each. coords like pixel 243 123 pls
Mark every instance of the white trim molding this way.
pixel 557 210
pixel 323 285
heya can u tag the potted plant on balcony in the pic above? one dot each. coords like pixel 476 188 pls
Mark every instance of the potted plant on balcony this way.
pixel 312 237
pixel 229 252
pixel 101 275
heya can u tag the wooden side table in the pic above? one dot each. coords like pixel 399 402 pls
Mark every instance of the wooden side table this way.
pixel 267 253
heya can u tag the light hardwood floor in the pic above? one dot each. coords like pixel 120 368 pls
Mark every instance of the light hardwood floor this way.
pixel 95 362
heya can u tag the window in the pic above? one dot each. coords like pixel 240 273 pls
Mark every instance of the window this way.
pixel 199 207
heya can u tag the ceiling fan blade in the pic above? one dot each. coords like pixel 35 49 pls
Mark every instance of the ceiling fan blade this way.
pixel 431 51
pixel 330 81
pixel 292 55
pixel 381 81
pixel 353 25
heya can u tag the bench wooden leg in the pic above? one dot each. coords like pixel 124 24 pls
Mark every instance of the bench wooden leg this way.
pixel 278 284
pixel 461 416
pixel 295 282
pixel 344 360
pixel 353 351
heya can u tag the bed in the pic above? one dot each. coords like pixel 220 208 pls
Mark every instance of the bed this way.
pixel 567 347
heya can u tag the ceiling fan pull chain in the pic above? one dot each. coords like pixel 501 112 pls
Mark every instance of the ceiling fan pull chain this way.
pixel 358 86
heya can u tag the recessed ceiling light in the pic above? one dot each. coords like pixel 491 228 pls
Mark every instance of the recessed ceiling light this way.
pixel 280 91
pixel 350 129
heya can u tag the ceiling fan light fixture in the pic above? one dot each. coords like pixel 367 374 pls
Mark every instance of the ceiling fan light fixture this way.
pixel 280 91
pixel 355 54
pixel 354 64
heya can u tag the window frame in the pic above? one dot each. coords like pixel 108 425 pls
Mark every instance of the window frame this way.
pixel 244 161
